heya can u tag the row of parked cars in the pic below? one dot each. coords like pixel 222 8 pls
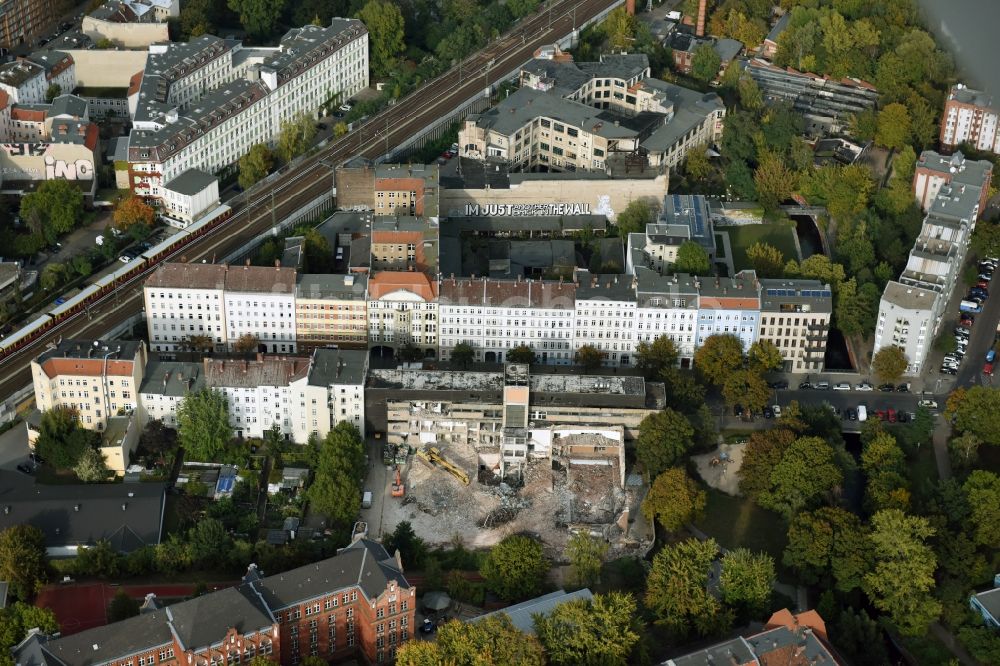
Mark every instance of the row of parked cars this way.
pixel 972 304
pixel 862 386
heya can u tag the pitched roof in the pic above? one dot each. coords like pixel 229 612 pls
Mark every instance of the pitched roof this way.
pixel 264 371
pixel 188 276
pixel 416 283
pixel 521 615
pixel 260 279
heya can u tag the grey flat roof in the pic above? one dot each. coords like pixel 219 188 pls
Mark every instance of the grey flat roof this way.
pixel 74 348
pixel 779 27
pixel 727 48
pixel 521 614
pixel 319 286
pixel 990 600
pixel 525 104
pixel 966 171
pixel 690 110
pixel 172 378
pixel 909 297
pixel 68 105
pixel 190 182
pixel 338 366
pixel 966 95
pixel 776 293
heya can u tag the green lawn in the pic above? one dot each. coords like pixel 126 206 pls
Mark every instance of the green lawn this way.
pixel 737 521
pixel 780 236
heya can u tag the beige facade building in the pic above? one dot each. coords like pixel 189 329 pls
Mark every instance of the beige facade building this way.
pixel 403 311
pixel 97 379
pixel 795 316
pixel 331 310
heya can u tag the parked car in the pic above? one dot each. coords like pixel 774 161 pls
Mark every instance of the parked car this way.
pixel 777 411
pixel 822 386
pixel 902 417
pixel 948 371
pixel 768 413
pixel 851 413
pixel 986 276
pixel 887 388
pixel 903 388
pixel 26 469
pixel 990 355
pixel 929 404
pixel 988 369
pixel 780 384
pixel 805 386
pixel 864 386
pixel 842 386
pixel 983 283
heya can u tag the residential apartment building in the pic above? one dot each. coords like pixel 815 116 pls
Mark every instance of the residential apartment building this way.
pixel 668 305
pixel 683 217
pixel 189 196
pixel 826 104
pixel 204 103
pixel 953 192
pixel 260 302
pixel 301 395
pixel 969 117
pixel 356 605
pixel 494 316
pixel 795 317
pixel 23 81
pixel 220 302
pixel 21 20
pixel 331 310
pixel 97 379
pixel 605 316
pixel 729 306
pixel 575 116
pixel 410 190
pixel 403 311
pixel 403 244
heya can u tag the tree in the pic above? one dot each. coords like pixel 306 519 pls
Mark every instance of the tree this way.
pixel 258 17
pixel 901 581
pixel 521 354
pixel 893 126
pixel 889 363
pixel 386 34
pixel 52 276
pixel 53 209
pixel 208 541
pixel 81 265
pixel 828 547
pixel 597 632
pixel 22 559
pixel 336 490
pixel 983 491
pixel 746 387
pixel 586 555
pixel 766 259
pixel 634 218
pixel 590 357
pixel 493 641
pixel 692 258
pixel 53 91
pixel 674 500
pixel 515 568
pixel 763 356
pixel 806 473
pixel 677 587
pixel 854 309
pixel 132 211
pixel 463 355
pixel 718 357
pixel 195 342
pixel 884 463
pixel 819 267
pixel 656 356
pixel 255 165
pixel 297 135
pixel 977 411
pixel 61 440
pixel 91 468
pixel 774 181
pixel 198 17
pixel 705 63
pixel 203 425
pixel 964 450
pixel 751 96
pixel 122 607
pixel 664 437
pixel 859 638
pixel 620 29
pixel 762 453
pixel 246 344
pixel 696 165
pixel 986 238
pixel 411 548
pixel 746 580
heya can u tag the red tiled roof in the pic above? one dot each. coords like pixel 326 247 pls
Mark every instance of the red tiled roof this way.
pixel 386 282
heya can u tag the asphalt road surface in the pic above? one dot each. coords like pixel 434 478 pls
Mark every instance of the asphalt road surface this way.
pixel 310 178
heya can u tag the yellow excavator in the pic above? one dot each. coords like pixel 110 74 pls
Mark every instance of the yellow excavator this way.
pixel 433 457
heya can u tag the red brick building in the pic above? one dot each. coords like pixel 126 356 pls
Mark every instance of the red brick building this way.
pixel 355 605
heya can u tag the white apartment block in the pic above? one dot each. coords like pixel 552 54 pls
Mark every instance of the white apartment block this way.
pixel 494 316
pixel 969 117
pixel 96 379
pixel 606 316
pixel 24 82
pixel 260 301
pixel 953 191
pixel 403 311
pixel 304 397
pixel 729 306
pixel 203 104
pixel 667 306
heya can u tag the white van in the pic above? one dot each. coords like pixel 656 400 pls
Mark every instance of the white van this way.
pixel 366 500
pixel 862 413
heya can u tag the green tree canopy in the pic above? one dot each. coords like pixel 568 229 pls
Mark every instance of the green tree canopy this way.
pixel 705 63
pixel 692 258
pixel 17 619
pixel 746 580
pixel 893 126
pixel 766 259
pixel 983 491
pixel 806 473
pixel 22 559
pixel 901 581
pixel 258 17
pixel 761 455
pixel 386 34
pixel 521 354
pixel 296 136
pixel 61 439
pixel 598 632
pixel 656 356
pixel 718 357
pixel 977 411
pixel 664 437
pixel 674 500
pixel 889 363
pixel 828 547
pixel 586 556
pixel 764 356
pixel 55 208
pixel 463 355
pixel 515 568
pixel 203 426
pixel 677 587
pixel 90 467
pixel 884 463
pixel 589 357
pixel 634 218
pixel 208 541
pixel 336 489
pixel 255 165
pixel 774 181
pixel 747 387
pixel 493 641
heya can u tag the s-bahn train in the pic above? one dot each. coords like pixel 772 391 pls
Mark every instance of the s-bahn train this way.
pixel 77 304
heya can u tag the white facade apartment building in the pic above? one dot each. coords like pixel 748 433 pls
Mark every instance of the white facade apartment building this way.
pixel 494 316
pixel 260 301
pixel 729 306
pixel 203 105
pixel 97 379
pixel 667 305
pixel 403 311
pixel 969 117
pixel 185 300
pixel 606 316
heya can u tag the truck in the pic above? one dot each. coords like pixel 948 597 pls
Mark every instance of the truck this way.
pixel 366 500
pixel 970 306
pixel 862 413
